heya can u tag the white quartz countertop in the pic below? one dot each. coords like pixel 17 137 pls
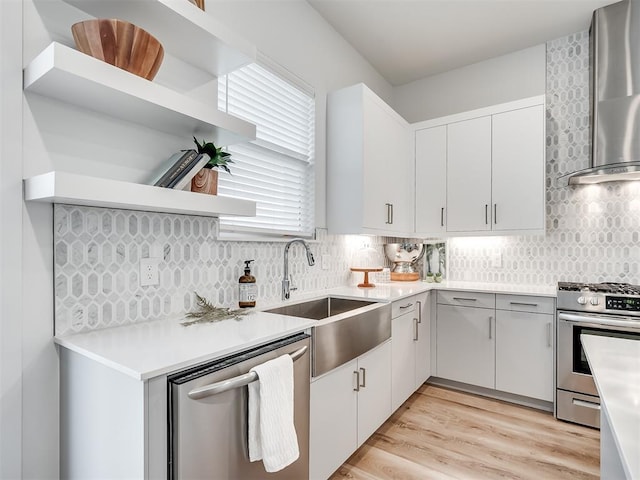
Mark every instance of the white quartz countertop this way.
pixel 615 365
pixel 148 349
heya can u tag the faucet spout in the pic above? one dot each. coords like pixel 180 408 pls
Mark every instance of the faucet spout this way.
pixel 286 283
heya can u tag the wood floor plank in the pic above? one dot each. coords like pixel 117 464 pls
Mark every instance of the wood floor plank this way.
pixel 446 434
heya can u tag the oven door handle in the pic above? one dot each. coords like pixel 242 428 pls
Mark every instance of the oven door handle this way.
pixel 599 321
pixel 235 382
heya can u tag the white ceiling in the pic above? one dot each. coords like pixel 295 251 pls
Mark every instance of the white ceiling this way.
pixel 406 40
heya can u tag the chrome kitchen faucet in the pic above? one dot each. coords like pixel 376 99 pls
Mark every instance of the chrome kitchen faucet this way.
pixel 286 283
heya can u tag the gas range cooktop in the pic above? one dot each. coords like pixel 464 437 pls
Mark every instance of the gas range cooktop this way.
pixel 613 298
pixel 607 287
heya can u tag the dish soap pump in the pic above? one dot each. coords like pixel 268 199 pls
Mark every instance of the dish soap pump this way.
pixel 247 287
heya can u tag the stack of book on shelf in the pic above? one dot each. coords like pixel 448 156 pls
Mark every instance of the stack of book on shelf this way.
pixel 179 169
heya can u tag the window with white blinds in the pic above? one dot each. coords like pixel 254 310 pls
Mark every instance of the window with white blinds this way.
pixel 277 169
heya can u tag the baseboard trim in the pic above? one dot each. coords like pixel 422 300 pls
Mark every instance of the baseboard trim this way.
pixel 497 394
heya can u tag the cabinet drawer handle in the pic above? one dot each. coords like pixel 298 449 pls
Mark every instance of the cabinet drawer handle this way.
pixel 495 213
pixel 442 217
pixel 486 214
pixel 364 377
pixel 549 334
pixel 415 329
pixel 408 305
pixel 419 311
pixel 582 403
pixel 524 304
pixel 391 214
pixel 490 328
pixel 467 299
pixel 357 387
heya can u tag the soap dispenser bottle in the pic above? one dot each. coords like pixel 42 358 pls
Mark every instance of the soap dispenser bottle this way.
pixel 248 289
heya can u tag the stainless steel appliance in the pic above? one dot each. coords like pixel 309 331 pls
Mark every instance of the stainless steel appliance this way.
pixel 607 309
pixel 615 92
pixel 207 415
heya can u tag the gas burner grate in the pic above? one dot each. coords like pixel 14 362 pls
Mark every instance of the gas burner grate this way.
pixel 607 287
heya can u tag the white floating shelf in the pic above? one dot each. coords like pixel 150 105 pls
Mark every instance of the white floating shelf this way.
pixel 72 189
pixel 71 76
pixel 184 30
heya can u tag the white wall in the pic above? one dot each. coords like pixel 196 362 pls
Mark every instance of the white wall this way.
pixel 502 79
pixel 10 240
pixel 294 35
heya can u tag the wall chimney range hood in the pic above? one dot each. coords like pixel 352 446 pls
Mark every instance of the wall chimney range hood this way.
pixel 615 96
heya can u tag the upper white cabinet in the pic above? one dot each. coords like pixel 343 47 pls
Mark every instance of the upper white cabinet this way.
pixel 75 80
pixel 469 175
pixel 517 161
pixel 482 171
pixel 369 165
pixel 431 179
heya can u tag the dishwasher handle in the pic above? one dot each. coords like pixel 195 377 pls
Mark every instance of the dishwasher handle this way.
pixel 235 382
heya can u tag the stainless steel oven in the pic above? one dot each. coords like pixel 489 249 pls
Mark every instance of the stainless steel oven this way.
pixel 606 309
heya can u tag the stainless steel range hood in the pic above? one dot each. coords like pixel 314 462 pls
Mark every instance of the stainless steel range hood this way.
pixel 615 95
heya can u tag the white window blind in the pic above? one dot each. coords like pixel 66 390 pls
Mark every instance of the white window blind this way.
pixel 277 169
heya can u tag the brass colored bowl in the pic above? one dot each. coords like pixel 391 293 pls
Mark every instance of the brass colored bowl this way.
pixel 121 44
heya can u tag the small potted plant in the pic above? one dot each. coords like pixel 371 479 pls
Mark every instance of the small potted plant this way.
pixel 429 278
pixel 438 277
pixel 206 180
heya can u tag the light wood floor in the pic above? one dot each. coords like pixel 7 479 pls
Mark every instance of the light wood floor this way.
pixel 441 433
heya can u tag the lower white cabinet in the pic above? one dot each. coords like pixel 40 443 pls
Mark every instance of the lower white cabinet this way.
pixel 524 350
pixel 348 404
pixel 497 341
pixel 466 344
pixel 411 365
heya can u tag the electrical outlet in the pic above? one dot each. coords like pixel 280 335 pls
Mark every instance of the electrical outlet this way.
pixel 325 261
pixel 496 260
pixel 149 274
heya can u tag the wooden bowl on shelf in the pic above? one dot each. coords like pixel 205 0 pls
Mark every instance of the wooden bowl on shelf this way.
pixel 121 44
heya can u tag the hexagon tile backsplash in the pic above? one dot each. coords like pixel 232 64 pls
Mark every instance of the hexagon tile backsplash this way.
pixel 97 253
pixel 592 231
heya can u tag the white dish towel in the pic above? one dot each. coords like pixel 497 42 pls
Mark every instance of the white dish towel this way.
pixel 272 434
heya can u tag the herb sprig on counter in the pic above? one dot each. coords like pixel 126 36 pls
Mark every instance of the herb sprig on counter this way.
pixel 207 312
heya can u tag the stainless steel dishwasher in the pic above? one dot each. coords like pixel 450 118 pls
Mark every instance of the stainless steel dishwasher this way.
pixel 208 415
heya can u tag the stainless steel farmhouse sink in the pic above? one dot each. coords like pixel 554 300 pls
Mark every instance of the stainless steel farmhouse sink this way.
pixel 346 328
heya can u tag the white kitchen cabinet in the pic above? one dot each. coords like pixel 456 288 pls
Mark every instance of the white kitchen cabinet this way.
pixel 488 164
pixel 348 404
pixel 431 180
pixel 333 420
pixel 517 162
pixel 524 347
pixel 369 165
pixel 466 339
pixel 410 340
pixel 469 175
pixel 374 395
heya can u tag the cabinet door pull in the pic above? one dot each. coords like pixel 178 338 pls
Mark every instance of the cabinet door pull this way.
pixel 549 334
pixel 495 213
pixel 490 328
pixel 464 298
pixel 415 329
pixel 402 307
pixel 391 214
pixel 357 387
pixel 486 214
pixel 442 217
pixel 364 377
pixel 524 304
pixel 419 311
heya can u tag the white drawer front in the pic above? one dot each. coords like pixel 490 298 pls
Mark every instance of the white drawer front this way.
pixel 525 303
pixel 406 305
pixel 467 299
